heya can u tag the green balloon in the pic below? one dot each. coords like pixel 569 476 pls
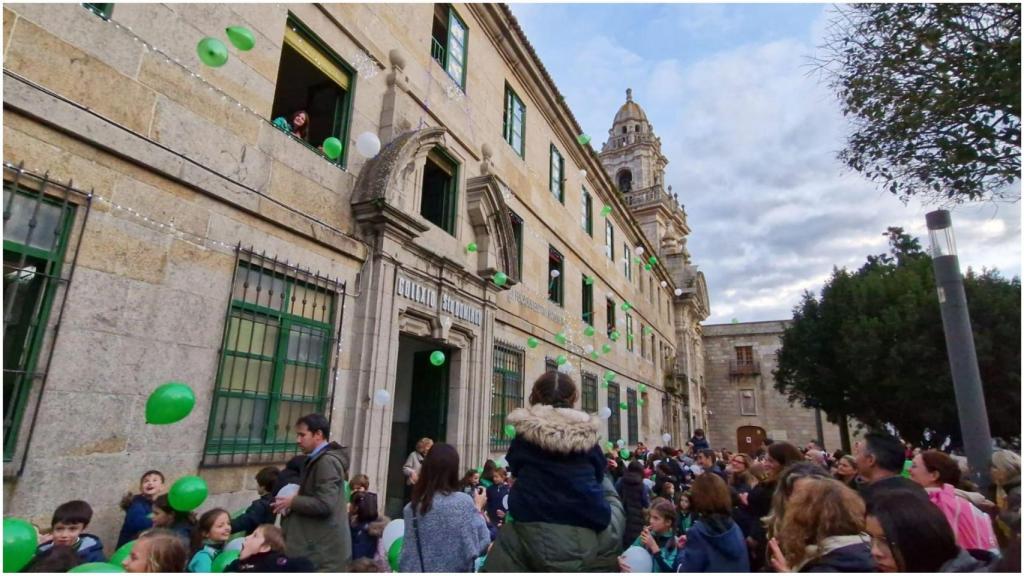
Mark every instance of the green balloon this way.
pixel 642 388
pixel 606 210
pixel 169 403
pixel 640 402
pixel 624 453
pixel 187 493
pixel 224 558
pixel 588 280
pixel 96 568
pixel 500 278
pixel 560 338
pixel 588 331
pixel 479 469
pixel 906 468
pixel 532 342
pixel 623 405
pixel 394 553
pixel 595 355
pixel 561 359
pixel 332 148
pixel 606 348
pixel 583 139
pixel 614 335
pixel 608 445
pixel 119 556
pixel 437 358
pixel 510 431
pixel 652 260
pixel 609 375
pixel 240 37
pixel 647 267
pixel 348 491
pixel 20 541
pixel 471 247
pixel 626 306
pixel 212 52
pixel 604 383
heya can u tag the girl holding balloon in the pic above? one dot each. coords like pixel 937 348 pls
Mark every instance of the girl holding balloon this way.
pixel 658 538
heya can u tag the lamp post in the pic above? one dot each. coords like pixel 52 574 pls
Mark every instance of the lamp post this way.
pixel 963 361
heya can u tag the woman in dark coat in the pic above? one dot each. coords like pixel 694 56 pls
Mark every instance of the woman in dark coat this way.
pixel 634 501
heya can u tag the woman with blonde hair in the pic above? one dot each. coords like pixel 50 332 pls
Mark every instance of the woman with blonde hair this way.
pixel 157 550
pixel 846 470
pixel 414 462
pixel 1005 472
pixel 822 530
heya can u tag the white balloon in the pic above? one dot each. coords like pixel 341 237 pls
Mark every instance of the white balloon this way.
pixel 666 438
pixel 235 544
pixel 555 273
pixel 638 560
pixel 393 531
pixel 504 502
pixel 607 250
pixel 664 284
pixel 639 250
pixel 583 173
pixel 679 291
pixel 381 397
pixel 368 144
pixel 620 443
pixel 588 349
pixel 604 413
pixel 565 368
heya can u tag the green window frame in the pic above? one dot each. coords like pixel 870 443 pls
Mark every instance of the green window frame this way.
pixel 556 262
pixel 627 262
pixel 514 126
pixel 615 420
pixel 557 175
pixel 452 51
pixel 517 232
pixel 506 390
pixel 629 332
pixel 609 240
pixel 632 425
pixel 275 359
pixel 440 205
pixel 587 311
pixel 609 314
pixel 588 212
pixel 588 396
pixel 102 10
pixel 37 229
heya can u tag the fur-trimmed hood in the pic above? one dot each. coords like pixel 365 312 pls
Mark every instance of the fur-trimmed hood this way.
pixel 560 430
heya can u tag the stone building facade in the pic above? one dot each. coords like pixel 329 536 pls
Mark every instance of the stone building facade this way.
pixel 743 405
pixel 162 224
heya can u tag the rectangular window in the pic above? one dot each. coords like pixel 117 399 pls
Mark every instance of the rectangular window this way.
pixel 609 314
pixel 102 10
pixel 312 96
pixel 275 357
pixel 632 424
pixel 515 122
pixel 609 240
pixel 744 355
pixel 555 264
pixel 36 230
pixel 643 341
pixel 506 390
pixel 550 364
pixel 627 262
pixel 748 403
pixel 517 231
pixel 588 402
pixel 588 302
pixel 449 40
pixel 588 213
pixel 439 195
pixel 557 175
pixel 615 420
pixel 629 332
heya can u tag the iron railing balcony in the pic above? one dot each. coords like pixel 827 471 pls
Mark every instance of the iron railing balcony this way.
pixel 744 367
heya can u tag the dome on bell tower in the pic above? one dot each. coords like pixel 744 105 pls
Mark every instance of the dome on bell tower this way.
pixel 632 154
pixel 630 112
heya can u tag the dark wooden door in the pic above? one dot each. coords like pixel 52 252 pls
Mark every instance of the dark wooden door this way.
pixel 749 439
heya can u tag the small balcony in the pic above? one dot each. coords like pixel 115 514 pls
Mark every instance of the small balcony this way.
pixel 437 51
pixel 744 367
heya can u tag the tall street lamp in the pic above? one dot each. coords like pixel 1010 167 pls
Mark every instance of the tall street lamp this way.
pixel 963 361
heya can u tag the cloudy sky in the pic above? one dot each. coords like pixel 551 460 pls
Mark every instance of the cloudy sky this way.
pixel 751 135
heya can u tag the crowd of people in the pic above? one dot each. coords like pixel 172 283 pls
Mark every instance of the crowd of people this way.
pixel 560 501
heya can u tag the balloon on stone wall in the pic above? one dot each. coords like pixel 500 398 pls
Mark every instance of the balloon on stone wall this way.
pixel 169 403
pixel 332 148
pixel 212 52
pixel 382 397
pixel 437 358
pixel 368 144
pixel 241 37
pixel 604 413
pixel 666 438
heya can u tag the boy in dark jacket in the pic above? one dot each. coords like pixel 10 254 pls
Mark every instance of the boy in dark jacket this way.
pixel 259 511
pixel 263 551
pixel 138 507
pixel 70 520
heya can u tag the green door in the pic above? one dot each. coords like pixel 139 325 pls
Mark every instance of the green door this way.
pixel 428 415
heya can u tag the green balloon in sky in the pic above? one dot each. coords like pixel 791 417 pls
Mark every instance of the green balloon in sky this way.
pixel 532 342
pixel 606 210
pixel 606 348
pixel 187 493
pixel 169 403
pixel 241 37
pixel 212 52
pixel 560 338
pixel 588 331
pixel 561 359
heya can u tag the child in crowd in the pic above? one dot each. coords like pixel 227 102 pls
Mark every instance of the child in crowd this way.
pixel 68 525
pixel 59 559
pixel 263 551
pixel 209 538
pixel 359 483
pixel 659 538
pixel 157 550
pixel 362 511
pixel 469 482
pixel 496 498
pixel 138 507
pixel 259 511
pixel 684 517
pixel 165 516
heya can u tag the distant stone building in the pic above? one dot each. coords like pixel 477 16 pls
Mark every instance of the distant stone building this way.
pixel 743 405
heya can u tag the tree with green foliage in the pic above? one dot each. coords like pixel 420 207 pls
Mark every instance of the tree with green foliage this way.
pixel 933 91
pixel 872 347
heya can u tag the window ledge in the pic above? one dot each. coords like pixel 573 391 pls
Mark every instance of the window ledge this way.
pixel 336 163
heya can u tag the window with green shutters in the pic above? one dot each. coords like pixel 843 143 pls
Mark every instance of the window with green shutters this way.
pixel 588 398
pixel 615 420
pixel 449 42
pixel 633 432
pixel 588 301
pixel 36 234
pixel 276 358
pixel 515 122
pixel 587 213
pixel 506 390
pixel 629 332
pixel 627 263
pixel 556 263
pixel 440 190
pixel 102 10
pixel 557 175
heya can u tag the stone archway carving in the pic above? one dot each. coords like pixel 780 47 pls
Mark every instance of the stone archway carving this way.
pixel 492 226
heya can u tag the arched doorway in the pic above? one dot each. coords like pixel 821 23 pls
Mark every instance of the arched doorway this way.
pixel 749 439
